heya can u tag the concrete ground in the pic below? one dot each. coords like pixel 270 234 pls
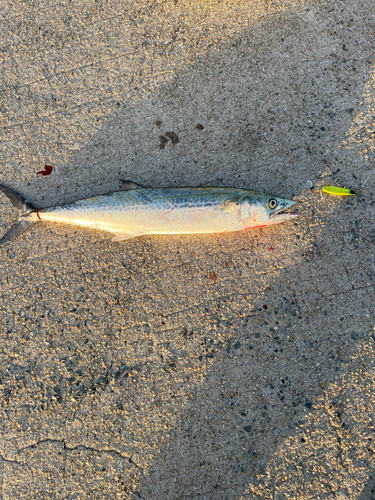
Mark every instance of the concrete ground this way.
pixel 237 366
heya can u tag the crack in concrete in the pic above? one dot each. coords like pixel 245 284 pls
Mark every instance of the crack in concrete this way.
pixel 340 450
pixel 70 448
pixel 355 289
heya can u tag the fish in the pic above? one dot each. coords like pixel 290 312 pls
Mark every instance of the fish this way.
pixel 136 211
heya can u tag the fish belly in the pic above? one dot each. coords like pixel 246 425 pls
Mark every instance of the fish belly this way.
pixel 180 221
pixel 157 217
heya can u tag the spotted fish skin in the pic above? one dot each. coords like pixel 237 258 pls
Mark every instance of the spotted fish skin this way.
pixel 134 212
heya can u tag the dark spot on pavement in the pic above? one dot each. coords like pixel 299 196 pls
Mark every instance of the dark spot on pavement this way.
pixel 173 137
pixel 163 141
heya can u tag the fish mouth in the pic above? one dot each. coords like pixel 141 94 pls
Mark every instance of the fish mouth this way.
pixel 280 215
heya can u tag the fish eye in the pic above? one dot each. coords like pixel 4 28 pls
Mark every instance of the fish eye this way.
pixel 272 203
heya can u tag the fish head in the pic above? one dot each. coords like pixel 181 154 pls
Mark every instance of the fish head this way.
pixel 262 209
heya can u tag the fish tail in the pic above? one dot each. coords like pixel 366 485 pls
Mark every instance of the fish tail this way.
pixel 27 215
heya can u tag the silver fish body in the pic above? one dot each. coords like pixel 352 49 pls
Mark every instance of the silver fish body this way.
pixel 140 211
pixel 171 211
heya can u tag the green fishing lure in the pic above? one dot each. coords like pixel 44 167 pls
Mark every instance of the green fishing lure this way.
pixel 337 191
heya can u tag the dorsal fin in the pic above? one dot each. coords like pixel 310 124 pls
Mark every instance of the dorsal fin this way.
pixel 128 185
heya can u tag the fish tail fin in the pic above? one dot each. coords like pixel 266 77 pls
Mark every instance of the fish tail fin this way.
pixel 26 215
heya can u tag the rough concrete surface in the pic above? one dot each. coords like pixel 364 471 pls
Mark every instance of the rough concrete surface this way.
pixel 237 366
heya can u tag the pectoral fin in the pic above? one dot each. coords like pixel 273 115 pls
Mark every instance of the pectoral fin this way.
pixel 229 206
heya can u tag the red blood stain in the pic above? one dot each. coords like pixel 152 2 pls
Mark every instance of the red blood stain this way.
pixel 213 276
pixel 265 307
pixel 47 170
pixel 271 248
pixel 162 323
